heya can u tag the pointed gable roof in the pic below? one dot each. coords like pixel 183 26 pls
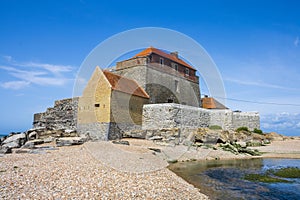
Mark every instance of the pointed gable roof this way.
pixel 125 85
pixel 211 103
pixel 150 50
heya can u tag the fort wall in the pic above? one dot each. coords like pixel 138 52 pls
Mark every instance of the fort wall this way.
pixel 160 116
pixel 63 115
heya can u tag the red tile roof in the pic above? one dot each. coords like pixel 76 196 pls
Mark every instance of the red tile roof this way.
pixel 151 50
pixel 211 103
pixel 125 85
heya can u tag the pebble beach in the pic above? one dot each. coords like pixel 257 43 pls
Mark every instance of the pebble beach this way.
pixel 103 170
pixel 74 173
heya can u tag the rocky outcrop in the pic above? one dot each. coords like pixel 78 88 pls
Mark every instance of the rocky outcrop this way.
pixel 62 116
pixel 32 138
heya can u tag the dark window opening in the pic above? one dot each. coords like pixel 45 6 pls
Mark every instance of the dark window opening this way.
pixel 161 60
pixel 176 67
pixel 170 100
pixel 97 105
pixel 187 71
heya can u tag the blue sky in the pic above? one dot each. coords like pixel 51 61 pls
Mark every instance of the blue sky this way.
pixel 255 44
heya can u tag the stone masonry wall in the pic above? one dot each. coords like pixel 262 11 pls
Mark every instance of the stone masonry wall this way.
pixel 169 115
pixel 97 130
pixel 62 116
pixel 161 82
pixel 221 118
pixel 248 119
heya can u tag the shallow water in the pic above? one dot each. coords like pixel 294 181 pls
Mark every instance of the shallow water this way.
pixel 2 136
pixel 224 179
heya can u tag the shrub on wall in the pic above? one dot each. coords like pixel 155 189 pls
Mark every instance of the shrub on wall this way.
pixel 243 128
pixel 258 131
pixel 215 127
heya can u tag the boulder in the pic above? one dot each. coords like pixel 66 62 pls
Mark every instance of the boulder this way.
pixel 242 144
pixel 48 139
pixel 172 160
pixel 69 133
pixel 124 142
pixel 12 144
pixel 5 150
pixel 155 149
pixel 274 136
pixel 31 143
pixel 155 138
pixel 135 134
pixel 68 141
pixel 32 135
pixel 15 140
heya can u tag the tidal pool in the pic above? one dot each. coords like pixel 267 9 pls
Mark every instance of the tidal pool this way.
pixel 224 179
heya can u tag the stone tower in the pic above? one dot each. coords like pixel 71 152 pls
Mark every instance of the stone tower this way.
pixel 165 77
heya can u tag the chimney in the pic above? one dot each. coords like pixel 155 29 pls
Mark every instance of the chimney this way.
pixel 175 53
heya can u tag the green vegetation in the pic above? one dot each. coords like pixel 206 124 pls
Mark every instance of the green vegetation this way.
pixel 254 144
pixel 215 127
pixel 265 178
pixel 288 172
pixel 243 128
pixel 275 176
pixel 258 131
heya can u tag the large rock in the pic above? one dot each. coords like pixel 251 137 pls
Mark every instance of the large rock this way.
pixel 135 134
pixel 5 150
pixel 68 141
pixel 31 144
pixel 15 141
pixel 32 135
pixel 12 144
pixel 274 136
pixel 69 133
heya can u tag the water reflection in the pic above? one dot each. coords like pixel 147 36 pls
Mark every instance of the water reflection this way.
pixel 223 179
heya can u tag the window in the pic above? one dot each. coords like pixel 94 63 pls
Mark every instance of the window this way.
pixel 97 105
pixel 187 71
pixel 161 61
pixel 170 100
pixel 176 86
pixel 176 67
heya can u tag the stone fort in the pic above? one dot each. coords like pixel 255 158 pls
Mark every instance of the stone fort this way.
pixel 152 91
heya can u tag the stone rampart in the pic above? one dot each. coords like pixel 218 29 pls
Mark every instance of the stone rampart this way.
pixel 62 116
pixel 170 115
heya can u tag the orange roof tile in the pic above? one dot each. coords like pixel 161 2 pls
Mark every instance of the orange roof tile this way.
pixel 125 85
pixel 211 103
pixel 151 50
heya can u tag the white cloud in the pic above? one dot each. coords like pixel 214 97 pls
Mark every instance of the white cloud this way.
pixel 15 85
pixel 7 58
pixel 34 73
pixel 281 121
pixel 49 67
pixel 257 83
pixel 296 42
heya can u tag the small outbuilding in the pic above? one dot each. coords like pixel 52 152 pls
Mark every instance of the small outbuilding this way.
pixel 110 105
